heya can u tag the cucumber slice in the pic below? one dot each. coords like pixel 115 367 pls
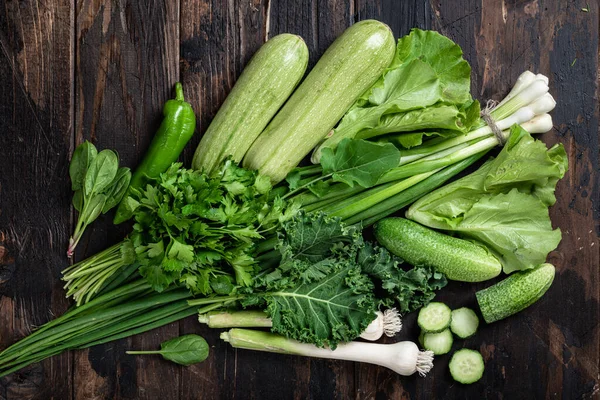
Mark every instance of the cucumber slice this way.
pixel 464 322
pixel 435 317
pixel 466 366
pixel 440 343
pixel 421 337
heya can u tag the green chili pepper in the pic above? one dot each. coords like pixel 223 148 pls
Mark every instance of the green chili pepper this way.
pixel 175 131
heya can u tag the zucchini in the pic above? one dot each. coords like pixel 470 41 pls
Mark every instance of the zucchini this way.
pixel 262 88
pixel 515 293
pixel 347 69
pixel 458 259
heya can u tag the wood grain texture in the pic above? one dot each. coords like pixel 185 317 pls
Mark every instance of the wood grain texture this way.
pixel 100 70
pixel 36 109
pixel 127 64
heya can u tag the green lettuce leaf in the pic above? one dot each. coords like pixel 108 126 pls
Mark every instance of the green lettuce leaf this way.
pixel 504 204
pixel 427 71
pixel 526 164
pixel 516 226
pixel 443 56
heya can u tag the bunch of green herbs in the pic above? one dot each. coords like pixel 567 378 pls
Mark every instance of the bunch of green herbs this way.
pixel 329 282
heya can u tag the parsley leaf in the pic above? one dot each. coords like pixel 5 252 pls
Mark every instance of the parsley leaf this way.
pixel 200 230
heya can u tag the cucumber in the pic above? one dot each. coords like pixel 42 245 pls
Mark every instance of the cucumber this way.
pixel 458 259
pixel 515 293
pixel 464 322
pixel 466 366
pixel 347 69
pixel 434 317
pixel 262 88
pixel 440 343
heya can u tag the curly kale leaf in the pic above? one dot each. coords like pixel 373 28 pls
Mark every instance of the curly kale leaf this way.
pixel 335 309
pixel 409 289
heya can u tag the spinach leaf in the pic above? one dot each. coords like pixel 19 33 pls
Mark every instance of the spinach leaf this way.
pixel 359 161
pixel 101 172
pixel 78 200
pixel 117 189
pixel 93 208
pixel 83 156
pixel 184 350
pixel 98 184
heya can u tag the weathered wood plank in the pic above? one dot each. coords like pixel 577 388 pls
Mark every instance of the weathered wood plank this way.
pixel 36 104
pixel 127 65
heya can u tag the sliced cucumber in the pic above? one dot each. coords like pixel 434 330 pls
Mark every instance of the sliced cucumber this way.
pixel 421 337
pixel 435 317
pixel 466 366
pixel 464 322
pixel 440 343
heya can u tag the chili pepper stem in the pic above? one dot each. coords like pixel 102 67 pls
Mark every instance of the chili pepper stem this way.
pixel 179 92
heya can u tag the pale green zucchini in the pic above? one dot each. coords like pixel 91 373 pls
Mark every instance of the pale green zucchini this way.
pixel 347 69
pixel 262 88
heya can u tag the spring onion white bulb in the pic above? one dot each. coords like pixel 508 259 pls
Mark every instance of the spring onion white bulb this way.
pixel 404 358
pixel 538 124
pixel 522 82
pixel 544 104
pixel 543 78
pixel 387 322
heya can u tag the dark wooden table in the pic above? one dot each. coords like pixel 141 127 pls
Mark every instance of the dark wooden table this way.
pixel 101 70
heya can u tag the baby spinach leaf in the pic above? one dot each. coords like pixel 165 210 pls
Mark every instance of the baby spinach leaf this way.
pixel 94 208
pixel 83 156
pixel 98 184
pixel 101 172
pixel 78 200
pixel 184 350
pixel 117 189
pixel 359 161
